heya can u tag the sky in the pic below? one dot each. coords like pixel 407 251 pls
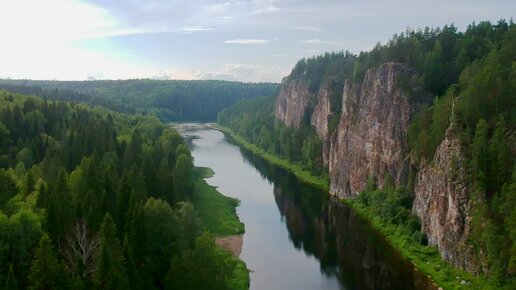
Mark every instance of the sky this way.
pixel 242 40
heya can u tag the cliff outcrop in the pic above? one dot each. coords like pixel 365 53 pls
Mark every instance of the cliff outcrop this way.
pixel 371 138
pixel 371 141
pixel 441 201
pixel 291 102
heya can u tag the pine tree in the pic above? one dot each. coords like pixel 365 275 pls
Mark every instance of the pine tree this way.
pixel 111 269
pixel 10 282
pixel 182 175
pixel 46 272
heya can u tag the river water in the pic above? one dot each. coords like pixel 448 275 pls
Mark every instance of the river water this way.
pixel 296 236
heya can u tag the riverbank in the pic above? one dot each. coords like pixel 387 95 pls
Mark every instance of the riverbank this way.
pixel 218 216
pixel 426 259
pixel 297 170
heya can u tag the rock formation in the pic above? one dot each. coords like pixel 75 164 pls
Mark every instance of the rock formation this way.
pixel 371 138
pixel 443 205
pixel 371 141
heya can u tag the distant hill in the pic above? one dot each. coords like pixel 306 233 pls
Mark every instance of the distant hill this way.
pixel 170 100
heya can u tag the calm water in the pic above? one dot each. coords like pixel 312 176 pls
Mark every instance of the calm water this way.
pixel 296 236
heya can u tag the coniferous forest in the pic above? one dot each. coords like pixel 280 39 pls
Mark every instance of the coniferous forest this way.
pixel 94 199
pixel 169 100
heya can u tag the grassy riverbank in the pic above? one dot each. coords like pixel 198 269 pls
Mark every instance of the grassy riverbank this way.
pixel 297 170
pixel 425 258
pixel 218 215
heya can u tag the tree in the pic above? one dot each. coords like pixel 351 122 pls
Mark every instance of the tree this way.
pixel 46 272
pixel 163 233
pixel 10 282
pixel 8 187
pixel 205 266
pixel 182 176
pixel 79 249
pixel 111 270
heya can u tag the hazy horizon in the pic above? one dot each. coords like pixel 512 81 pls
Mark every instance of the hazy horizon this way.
pixel 249 41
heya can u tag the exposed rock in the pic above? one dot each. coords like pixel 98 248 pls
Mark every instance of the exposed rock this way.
pixel 291 102
pixel 443 205
pixel 371 138
pixel 322 113
pixel 321 118
pixel 371 141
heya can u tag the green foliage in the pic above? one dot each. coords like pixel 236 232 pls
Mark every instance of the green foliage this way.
pixel 205 264
pixel 170 100
pixel 111 268
pixel 10 282
pixel 253 120
pixel 216 211
pixel 86 179
pixel 46 272
pixel 393 206
pixel 183 176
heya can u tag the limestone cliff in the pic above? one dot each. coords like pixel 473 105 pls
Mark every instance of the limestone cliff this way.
pixel 291 102
pixel 371 138
pixel 323 112
pixel 443 205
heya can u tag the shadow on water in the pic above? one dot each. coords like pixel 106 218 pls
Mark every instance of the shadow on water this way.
pixel 345 244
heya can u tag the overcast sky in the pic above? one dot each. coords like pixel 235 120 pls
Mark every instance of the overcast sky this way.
pixel 245 40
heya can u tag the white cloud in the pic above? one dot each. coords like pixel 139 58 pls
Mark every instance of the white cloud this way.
pixel 247 41
pixel 192 29
pixel 317 41
pixel 308 28
pixel 230 72
pixel 264 10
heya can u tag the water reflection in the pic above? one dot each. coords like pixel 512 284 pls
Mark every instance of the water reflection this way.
pixel 345 245
pixel 296 236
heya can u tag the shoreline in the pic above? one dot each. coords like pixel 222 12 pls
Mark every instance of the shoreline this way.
pixel 425 259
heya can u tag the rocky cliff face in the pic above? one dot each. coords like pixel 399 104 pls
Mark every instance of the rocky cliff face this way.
pixel 371 141
pixel 442 203
pixel 371 138
pixel 321 116
pixel 291 102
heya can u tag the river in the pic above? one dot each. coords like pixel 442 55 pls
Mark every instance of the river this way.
pixel 296 236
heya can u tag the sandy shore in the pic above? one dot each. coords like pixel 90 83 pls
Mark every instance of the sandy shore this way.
pixel 231 243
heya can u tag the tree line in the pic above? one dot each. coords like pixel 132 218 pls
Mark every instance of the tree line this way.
pixel 169 100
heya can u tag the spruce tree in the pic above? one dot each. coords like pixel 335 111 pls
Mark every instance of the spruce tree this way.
pixel 10 282
pixel 111 269
pixel 46 272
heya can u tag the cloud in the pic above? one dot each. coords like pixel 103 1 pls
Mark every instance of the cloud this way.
pixel 192 29
pixel 308 28
pixel 264 10
pixel 247 41
pixel 229 72
pixel 317 41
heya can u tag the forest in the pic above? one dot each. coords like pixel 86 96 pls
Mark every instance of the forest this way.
pixel 169 100
pixel 95 199
pixel 472 77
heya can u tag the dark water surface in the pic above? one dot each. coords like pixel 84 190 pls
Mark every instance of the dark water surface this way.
pixel 296 236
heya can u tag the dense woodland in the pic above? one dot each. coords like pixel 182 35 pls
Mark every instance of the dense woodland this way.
pixel 169 100
pixel 472 75
pixel 92 199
